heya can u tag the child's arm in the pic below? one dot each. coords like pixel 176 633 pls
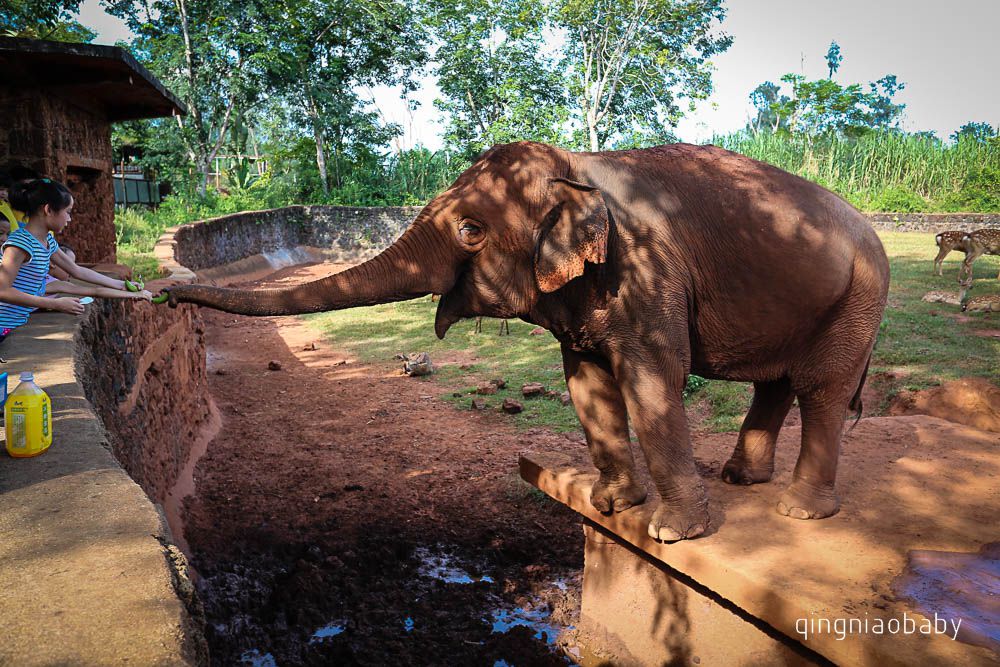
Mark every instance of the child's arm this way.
pixel 13 258
pixel 63 287
pixel 62 261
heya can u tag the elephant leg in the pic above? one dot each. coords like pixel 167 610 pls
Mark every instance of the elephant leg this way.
pixel 939 260
pixel 753 460
pixel 811 495
pixel 601 410
pixel 652 389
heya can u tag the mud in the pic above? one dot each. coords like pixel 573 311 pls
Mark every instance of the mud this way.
pixel 345 515
pixel 971 401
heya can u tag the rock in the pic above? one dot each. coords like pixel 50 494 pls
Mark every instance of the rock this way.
pixel 537 331
pixel 418 364
pixel 532 389
pixel 274 365
pixel 487 389
pixel 553 394
pixel 499 383
pixel 311 347
pixel 565 398
pixel 511 407
pixel 220 371
pixel 479 404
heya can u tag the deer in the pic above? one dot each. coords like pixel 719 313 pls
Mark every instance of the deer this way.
pixel 980 242
pixel 988 303
pixel 946 242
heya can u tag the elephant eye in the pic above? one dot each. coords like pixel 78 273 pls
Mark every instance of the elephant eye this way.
pixel 470 233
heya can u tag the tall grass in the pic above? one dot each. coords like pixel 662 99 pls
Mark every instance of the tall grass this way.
pixel 887 171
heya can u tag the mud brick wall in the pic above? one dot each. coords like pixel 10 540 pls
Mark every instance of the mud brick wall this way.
pixel 72 144
pixel 143 369
pixel 932 222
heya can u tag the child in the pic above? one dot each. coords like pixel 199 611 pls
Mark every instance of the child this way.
pixel 28 252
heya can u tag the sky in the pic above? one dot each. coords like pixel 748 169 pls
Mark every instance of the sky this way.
pixel 945 53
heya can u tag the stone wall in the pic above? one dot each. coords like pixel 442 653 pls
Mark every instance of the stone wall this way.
pixel 932 222
pixel 343 233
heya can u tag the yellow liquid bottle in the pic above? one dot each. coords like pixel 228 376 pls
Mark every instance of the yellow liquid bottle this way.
pixel 28 419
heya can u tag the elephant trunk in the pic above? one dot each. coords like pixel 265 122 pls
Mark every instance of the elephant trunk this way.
pixel 411 267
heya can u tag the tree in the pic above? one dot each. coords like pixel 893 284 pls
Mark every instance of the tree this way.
pixel 631 61
pixel 496 85
pixel 974 131
pixel 318 53
pixel 43 19
pixel 767 100
pixel 821 106
pixel 203 51
pixel 833 59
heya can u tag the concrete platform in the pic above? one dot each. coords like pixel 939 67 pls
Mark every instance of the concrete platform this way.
pixel 87 574
pixel 760 588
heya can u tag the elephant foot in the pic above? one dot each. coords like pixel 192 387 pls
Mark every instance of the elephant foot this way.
pixel 737 472
pixel 609 496
pixel 670 525
pixel 805 501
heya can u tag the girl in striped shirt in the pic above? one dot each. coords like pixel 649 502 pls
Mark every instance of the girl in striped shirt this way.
pixel 31 248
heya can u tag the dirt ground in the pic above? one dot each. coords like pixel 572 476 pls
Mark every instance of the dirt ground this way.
pixel 347 515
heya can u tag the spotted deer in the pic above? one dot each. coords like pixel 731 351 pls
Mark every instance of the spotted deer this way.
pixel 978 243
pixel 988 303
pixel 946 242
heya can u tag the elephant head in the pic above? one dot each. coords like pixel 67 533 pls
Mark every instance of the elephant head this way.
pixel 509 229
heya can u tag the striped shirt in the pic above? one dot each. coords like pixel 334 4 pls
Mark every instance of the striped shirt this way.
pixel 31 276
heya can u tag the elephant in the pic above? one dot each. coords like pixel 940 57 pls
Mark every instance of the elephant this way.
pixel 647 265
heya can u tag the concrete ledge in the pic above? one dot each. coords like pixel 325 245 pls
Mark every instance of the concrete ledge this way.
pixel 907 491
pixel 87 572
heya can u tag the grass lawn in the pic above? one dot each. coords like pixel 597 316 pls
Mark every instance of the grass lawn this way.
pixel 919 343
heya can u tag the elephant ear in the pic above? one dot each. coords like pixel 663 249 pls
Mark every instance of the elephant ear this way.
pixel 578 234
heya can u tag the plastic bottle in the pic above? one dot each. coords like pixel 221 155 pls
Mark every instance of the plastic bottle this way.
pixel 28 419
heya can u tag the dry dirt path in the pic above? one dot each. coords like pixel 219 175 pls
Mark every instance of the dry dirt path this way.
pixel 333 492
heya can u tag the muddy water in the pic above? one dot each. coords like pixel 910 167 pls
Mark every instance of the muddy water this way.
pixel 958 588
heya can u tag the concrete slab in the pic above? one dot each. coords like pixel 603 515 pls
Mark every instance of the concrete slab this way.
pixel 87 575
pixel 906 483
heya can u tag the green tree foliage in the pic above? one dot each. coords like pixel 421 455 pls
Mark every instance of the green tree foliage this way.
pixel 631 62
pixel 43 19
pixel 833 59
pixel 767 99
pixel 497 85
pixel 205 52
pixel 319 53
pixel 822 106
pixel 975 131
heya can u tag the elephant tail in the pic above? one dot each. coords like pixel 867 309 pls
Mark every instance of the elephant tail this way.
pixel 856 403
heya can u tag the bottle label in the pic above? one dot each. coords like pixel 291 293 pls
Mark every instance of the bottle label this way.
pixel 16 433
pixel 45 419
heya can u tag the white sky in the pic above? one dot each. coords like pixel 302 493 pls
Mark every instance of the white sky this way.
pixel 945 53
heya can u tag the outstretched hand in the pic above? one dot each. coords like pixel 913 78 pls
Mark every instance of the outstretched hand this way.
pixel 68 305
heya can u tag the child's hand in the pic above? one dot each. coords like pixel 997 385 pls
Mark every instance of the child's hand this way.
pixel 145 295
pixel 68 305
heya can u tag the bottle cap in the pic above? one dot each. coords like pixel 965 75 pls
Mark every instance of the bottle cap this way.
pixel 27 376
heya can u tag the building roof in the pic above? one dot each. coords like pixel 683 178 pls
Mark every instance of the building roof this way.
pixel 107 77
